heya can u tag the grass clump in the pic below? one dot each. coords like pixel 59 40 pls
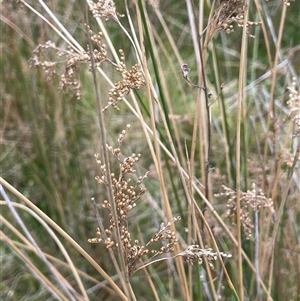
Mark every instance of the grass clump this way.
pixel 211 93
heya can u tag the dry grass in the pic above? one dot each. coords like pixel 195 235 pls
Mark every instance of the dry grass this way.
pixel 195 124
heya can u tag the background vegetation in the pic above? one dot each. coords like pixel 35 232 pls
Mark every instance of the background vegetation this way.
pixel 224 157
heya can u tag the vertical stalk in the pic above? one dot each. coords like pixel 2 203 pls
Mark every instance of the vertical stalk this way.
pixel 123 274
pixel 241 99
pixel 207 150
pixel 271 113
pixel 165 119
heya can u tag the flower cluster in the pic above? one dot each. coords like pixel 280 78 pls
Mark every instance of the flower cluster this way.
pixel 37 60
pixel 164 234
pixel 229 12
pixel 125 198
pixel 69 79
pixel 254 199
pixel 103 8
pixel 194 254
pixel 132 79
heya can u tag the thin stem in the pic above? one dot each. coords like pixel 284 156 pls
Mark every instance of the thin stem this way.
pixel 75 245
pixel 126 284
pixel 241 100
pixel 271 112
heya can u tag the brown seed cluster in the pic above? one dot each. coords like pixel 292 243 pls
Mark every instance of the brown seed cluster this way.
pixel 228 13
pixel 38 59
pixel 70 82
pixel 254 199
pixel 103 8
pixel 132 79
pixel 287 157
pixel 164 235
pixel 125 198
pixel 99 53
pixel 194 254
pixel 69 79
